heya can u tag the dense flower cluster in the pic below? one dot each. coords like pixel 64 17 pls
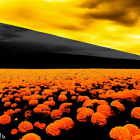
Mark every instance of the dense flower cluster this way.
pixel 7 104
pixel 9 112
pixel 14 131
pixel 28 114
pixel 14 105
pixel 105 110
pixel 65 107
pixel 33 102
pixel 49 103
pixel 120 133
pixel 5 119
pixel 82 98
pixel 53 130
pixel 25 127
pixel 62 98
pixel 137 137
pixel 31 136
pixel 135 113
pixel 56 114
pixel 133 129
pixel 40 125
pixel 65 123
pixel 45 98
pixel 98 119
pixel 118 105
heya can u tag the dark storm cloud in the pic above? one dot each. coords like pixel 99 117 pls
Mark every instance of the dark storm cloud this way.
pixel 70 27
pixel 123 12
pixel 90 4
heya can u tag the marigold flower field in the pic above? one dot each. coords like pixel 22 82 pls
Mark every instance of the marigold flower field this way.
pixel 45 104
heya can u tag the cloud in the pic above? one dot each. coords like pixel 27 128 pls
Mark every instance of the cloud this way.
pixel 117 11
pixel 90 3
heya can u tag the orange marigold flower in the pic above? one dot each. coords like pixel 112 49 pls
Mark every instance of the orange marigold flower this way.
pixel 14 131
pixel 23 94
pixel 43 97
pixel 67 123
pixel 102 102
pixel 9 112
pixel 105 110
pixel 130 96
pixel 46 113
pixel 72 92
pixel 50 99
pixel 49 103
pixel 28 92
pixel 83 108
pixel 37 110
pixel 80 89
pixel 36 97
pixel 89 103
pixel 5 99
pixel 119 133
pixel 63 93
pixel 73 98
pixel 136 137
pixel 133 129
pixel 26 98
pixel 56 114
pixel 53 130
pixel 37 88
pixel 36 124
pixel 25 127
pixel 36 92
pixel 44 107
pixel 14 105
pixel 40 125
pixel 59 123
pixel 10 97
pixel 18 110
pixel 62 98
pixel 118 105
pixel 25 107
pixel 93 92
pixel 28 114
pixel 31 136
pixel 1 95
pixel 64 107
pixel 33 102
pixel 17 100
pixel 47 92
pixel 17 95
pixel 98 119
pixel 7 104
pixel 82 98
pixel 135 113
pixel 5 119
pixel 84 115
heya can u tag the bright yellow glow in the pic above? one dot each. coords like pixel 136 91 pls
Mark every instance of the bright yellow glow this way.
pixel 113 24
pixel 135 36
pixel 56 0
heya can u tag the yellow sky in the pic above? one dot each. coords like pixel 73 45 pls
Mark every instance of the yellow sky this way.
pixel 109 23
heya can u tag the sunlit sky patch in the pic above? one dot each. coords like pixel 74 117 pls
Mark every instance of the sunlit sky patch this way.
pixel 108 23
